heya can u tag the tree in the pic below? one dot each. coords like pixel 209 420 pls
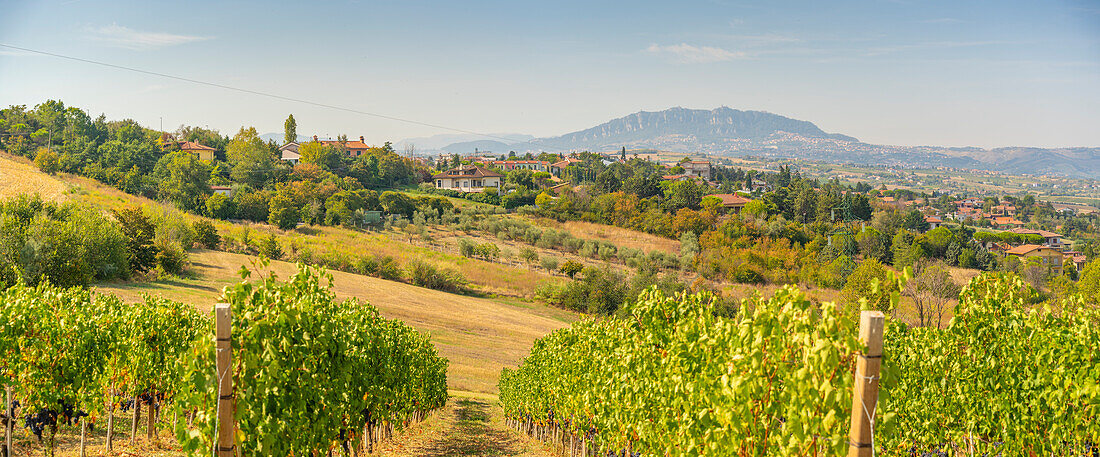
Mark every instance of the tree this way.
pixel 324 156
pixel 184 180
pixel 571 267
pixel 205 234
pixel 931 289
pixel 521 178
pixel 529 255
pixel 290 130
pixel 139 233
pixel 861 285
pixel 269 247
pixel 683 194
pixel 219 206
pixel 284 212
pixel 914 220
pixel 47 161
pixel 397 203
pixel 253 161
pixel 1089 283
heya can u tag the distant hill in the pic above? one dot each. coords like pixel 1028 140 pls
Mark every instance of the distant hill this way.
pixel 437 143
pixel 730 132
pixel 480 146
pixel 278 137
pixel 682 129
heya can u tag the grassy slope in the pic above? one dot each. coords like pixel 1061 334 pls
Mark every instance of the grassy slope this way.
pixel 19 176
pixel 479 336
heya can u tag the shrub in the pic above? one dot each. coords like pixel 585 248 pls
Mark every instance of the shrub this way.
pixel 171 258
pixel 47 161
pixel 861 285
pixel 466 248
pixel 205 234
pixel 571 268
pixel 269 247
pixel 529 255
pixel 424 274
pixel 488 250
pixel 219 206
pixel 549 263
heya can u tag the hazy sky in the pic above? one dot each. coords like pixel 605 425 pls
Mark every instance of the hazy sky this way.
pixel 954 73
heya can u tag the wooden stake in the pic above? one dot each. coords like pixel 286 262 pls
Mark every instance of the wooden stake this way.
pixel 151 421
pixel 83 437
pixel 226 425
pixel 11 421
pixel 110 417
pixel 136 417
pixel 865 391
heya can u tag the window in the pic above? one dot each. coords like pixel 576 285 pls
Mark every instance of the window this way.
pixel 439 183
pixel 465 183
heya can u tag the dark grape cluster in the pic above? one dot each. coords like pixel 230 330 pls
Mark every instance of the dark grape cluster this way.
pixel 38 422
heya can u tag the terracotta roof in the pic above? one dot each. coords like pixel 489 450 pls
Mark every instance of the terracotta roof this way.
pixel 220 188
pixel 1043 233
pixel 731 199
pixel 1026 248
pixel 933 220
pixel 495 162
pixel 1008 220
pixel 469 171
pixel 193 146
pixel 346 144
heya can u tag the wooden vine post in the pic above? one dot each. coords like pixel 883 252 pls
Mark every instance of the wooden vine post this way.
pixel 226 424
pixel 10 423
pixel 110 417
pixel 865 390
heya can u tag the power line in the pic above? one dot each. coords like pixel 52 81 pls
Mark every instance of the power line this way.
pixel 254 92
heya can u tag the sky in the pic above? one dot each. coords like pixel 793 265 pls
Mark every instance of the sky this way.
pixel 902 72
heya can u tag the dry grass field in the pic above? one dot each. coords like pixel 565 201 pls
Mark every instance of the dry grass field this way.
pixel 19 176
pixel 479 336
pixel 618 236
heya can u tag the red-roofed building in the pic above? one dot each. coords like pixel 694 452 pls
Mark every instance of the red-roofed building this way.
pixel 732 202
pixel 1050 239
pixel 1006 222
pixel 470 178
pixel 353 148
pixel 557 167
pixel 933 222
pixel 1050 257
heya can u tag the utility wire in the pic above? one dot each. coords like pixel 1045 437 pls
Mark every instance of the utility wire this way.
pixel 255 92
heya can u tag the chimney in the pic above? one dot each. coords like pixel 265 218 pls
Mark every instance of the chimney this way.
pixel 361 139
pixel 314 137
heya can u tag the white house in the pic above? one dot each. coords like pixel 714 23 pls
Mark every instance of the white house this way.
pixel 222 190
pixel 289 152
pixel 470 178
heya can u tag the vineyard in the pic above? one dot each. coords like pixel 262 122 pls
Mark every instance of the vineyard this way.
pixel 311 374
pixel 670 378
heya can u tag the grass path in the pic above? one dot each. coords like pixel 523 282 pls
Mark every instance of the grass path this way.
pixel 465 427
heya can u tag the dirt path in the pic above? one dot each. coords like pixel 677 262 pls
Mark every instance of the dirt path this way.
pixel 466 427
